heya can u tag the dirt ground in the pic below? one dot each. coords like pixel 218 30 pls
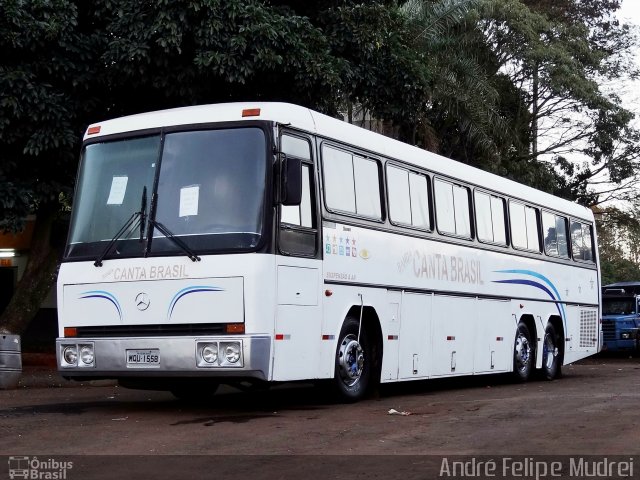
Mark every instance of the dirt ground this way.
pixel 592 410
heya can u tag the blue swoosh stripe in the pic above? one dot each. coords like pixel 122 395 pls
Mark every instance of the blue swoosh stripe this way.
pixel 187 291
pixel 104 295
pixel 557 296
pixel 537 275
pixel 545 280
pixel 537 285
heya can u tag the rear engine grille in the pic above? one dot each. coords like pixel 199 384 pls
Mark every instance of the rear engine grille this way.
pixel 190 329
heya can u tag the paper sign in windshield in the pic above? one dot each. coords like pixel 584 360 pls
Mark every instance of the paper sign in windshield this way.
pixel 118 189
pixel 189 200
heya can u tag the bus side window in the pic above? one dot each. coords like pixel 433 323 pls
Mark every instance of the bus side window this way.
pixel 581 242
pixel 524 227
pixel 408 198
pixel 554 228
pixel 298 222
pixel 490 218
pixel 452 209
pixel 351 183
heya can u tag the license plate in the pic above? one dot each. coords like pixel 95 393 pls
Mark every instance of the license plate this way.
pixel 143 358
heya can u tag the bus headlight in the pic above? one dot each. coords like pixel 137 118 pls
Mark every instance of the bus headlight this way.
pixel 70 355
pixel 87 355
pixel 210 353
pixel 231 352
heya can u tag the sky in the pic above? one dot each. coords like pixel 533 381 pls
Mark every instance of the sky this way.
pixel 630 13
pixel 630 10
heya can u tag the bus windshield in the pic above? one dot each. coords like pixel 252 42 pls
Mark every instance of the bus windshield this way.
pixel 209 192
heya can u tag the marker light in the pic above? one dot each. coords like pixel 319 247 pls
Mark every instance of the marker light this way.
pixel 93 130
pixel 251 112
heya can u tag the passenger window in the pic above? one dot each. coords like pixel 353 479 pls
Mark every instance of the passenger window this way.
pixel 367 183
pixel 490 218
pixel 581 242
pixel 524 227
pixel 452 209
pixel 408 197
pixel 338 180
pixel 554 228
pixel 352 183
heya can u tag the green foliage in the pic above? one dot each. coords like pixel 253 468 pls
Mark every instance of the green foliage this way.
pixel 42 101
pixel 619 244
pixel 557 54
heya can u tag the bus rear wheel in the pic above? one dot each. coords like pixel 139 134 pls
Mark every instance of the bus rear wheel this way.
pixel 353 363
pixel 523 354
pixel 550 354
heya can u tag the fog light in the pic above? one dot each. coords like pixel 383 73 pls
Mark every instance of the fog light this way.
pixel 210 353
pixel 232 352
pixel 86 354
pixel 70 355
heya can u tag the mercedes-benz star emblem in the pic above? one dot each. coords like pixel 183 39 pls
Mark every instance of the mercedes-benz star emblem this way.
pixel 142 301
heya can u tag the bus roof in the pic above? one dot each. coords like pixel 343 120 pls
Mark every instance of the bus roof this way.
pixel 325 126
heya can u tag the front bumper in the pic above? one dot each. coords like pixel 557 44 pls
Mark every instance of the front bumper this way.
pixel 178 357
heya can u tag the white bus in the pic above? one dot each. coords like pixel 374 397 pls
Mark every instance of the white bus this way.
pixel 266 242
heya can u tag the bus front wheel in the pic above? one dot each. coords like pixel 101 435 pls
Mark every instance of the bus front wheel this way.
pixel 523 354
pixel 353 363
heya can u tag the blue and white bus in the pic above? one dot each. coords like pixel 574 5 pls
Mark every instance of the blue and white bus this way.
pixel 266 242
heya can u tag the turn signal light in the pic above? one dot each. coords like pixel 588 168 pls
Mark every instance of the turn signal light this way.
pixel 235 327
pixel 70 332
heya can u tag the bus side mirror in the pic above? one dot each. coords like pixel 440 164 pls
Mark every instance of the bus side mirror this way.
pixel 291 181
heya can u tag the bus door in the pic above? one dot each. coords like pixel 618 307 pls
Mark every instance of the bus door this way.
pixel 299 269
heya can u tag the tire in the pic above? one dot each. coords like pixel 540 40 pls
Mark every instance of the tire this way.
pixel 353 363
pixel 550 354
pixel 523 354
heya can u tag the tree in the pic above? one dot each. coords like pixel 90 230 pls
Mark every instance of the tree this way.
pixel 558 54
pixel 619 244
pixel 45 96
pixel 67 63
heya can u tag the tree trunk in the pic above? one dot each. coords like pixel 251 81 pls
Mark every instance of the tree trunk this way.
pixel 38 278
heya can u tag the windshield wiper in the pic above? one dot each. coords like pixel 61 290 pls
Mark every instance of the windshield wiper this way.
pixel 166 232
pixel 129 225
pixel 183 246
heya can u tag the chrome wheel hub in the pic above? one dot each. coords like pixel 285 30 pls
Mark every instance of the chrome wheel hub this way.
pixel 523 352
pixel 350 360
pixel 550 352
